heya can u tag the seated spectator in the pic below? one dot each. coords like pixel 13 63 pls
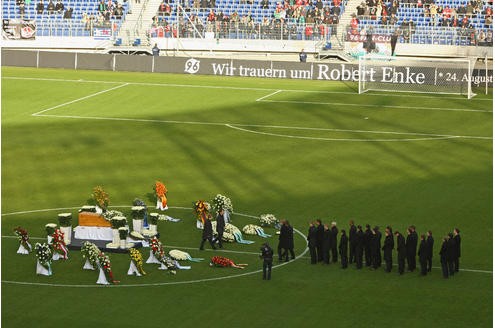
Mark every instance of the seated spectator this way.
pixel 40 7
pixel 489 38
pixel 59 7
pixel 264 4
pixel 465 22
pixel 22 10
pixel 68 13
pixel 488 22
pixel 102 6
pixel 393 19
pixel 51 7
pixel 384 20
pixel 360 9
pixel 481 38
pixel 469 9
pixel 211 16
pixel 118 11
pixel 161 9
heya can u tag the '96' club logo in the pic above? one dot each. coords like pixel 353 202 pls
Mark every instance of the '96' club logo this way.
pixel 192 66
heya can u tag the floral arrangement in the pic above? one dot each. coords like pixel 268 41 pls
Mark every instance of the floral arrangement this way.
pixel 58 243
pixel 221 202
pixel 228 236
pixel 106 266
pixel 136 235
pixel 50 228
pixel 90 252
pixel 123 233
pixel 118 222
pixel 223 262
pixel 44 255
pixel 87 208
pixel 157 248
pixel 137 258
pixel 23 237
pixel 252 229
pixel 109 215
pixel 202 210
pixel 182 256
pixel 268 220
pixel 64 219
pixel 100 197
pixel 161 192
pixel 154 218
pixel 138 202
pixel 138 212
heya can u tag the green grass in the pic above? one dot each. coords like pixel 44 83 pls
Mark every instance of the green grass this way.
pixel 313 150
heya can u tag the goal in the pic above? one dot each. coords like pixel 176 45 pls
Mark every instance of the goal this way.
pixel 413 74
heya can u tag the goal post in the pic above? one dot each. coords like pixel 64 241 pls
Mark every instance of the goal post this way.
pixel 415 74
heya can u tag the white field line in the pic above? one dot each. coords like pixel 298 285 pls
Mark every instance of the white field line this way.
pixel 375 106
pixel 269 95
pixel 79 99
pixel 236 126
pixel 238 88
pixel 338 139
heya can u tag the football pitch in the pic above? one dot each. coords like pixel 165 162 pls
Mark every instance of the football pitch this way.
pixel 301 150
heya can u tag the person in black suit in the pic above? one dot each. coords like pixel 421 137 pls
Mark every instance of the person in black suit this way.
pixel 359 247
pixel 414 246
pixel 388 246
pixel 220 227
pixel 326 244
pixel 401 251
pixel 367 245
pixel 267 256
pixel 429 242
pixel 333 241
pixel 444 256
pixel 457 249
pixel 343 249
pixel 378 246
pixel 283 241
pixel 290 243
pixel 451 249
pixel 352 242
pixel 312 239
pixel 319 240
pixel 411 246
pixel 375 249
pixel 207 234
pixel 423 255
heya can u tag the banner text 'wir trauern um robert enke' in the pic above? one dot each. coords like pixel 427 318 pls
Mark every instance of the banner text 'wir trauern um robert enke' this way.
pixel 348 72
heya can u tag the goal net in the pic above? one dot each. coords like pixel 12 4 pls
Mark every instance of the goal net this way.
pixel 413 74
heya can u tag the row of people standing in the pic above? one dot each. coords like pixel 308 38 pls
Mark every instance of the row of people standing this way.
pixel 366 245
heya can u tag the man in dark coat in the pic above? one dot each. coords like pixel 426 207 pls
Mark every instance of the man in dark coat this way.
pixel 444 256
pixel 312 239
pixel 352 242
pixel 319 240
pixel 326 244
pixel 429 243
pixel 375 248
pixel 267 256
pixel 451 249
pixel 411 247
pixel 401 251
pixel 283 241
pixel 388 246
pixel 290 244
pixel 220 227
pixel 343 249
pixel 423 255
pixel 367 245
pixel 207 234
pixel 359 247
pixel 333 241
pixel 457 249
pixel 378 246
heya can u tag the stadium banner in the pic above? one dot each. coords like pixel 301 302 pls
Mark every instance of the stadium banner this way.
pixel 102 33
pixel 17 29
pixel 444 76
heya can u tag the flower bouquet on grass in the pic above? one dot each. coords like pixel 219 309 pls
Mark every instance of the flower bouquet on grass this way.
pixel 90 252
pixel 123 233
pixel 109 215
pixel 221 202
pixel 117 221
pixel 101 199
pixel 58 244
pixel 202 211
pixel 136 265
pixel 44 259
pixel 227 235
pixel 252 229
pixel 223 262
pixel 24 245
pixel 139 202
pixel 233 230
pixel 65 222
pixel 138 213
pixel 156 251
pixel 183 256
pixel 161 195
pixel 106 275
pixel 268 220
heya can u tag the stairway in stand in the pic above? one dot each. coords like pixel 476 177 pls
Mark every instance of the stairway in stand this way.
pixel 138 23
